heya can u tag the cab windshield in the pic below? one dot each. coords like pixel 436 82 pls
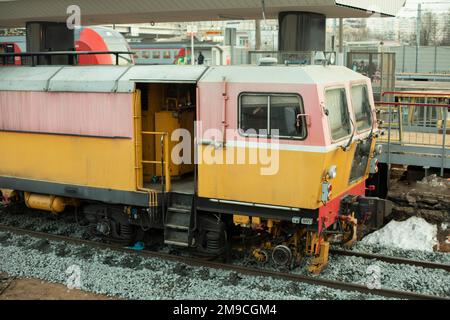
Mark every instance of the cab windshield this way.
pixel 361 107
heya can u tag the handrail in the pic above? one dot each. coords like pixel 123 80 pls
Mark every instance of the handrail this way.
pixel 299 57
pixel 410 104
pixel 70 54
pixel 418 138
pixel 444 142
pixel 416 94
pixel 153 197
pixel 165 158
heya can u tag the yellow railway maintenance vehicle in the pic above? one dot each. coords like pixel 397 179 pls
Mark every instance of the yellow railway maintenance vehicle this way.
pixel 277 156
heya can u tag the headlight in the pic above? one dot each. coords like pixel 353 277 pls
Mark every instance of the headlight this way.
pixel 332 172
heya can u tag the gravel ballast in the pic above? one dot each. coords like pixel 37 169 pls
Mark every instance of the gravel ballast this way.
pixel 132 276
pixel 394 276
pixel 18 215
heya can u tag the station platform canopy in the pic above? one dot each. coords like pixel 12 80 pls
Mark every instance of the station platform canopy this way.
pixel 15 13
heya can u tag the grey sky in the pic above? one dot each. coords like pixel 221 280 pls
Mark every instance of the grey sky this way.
pixel 437 6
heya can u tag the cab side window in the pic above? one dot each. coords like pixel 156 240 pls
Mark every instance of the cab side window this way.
pixel 254 111
pixel 338 114
pixel 272 115
pixel 284 111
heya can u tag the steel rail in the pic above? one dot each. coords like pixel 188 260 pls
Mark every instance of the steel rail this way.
pixel 340 285
pixel 390 259
pixel 416 94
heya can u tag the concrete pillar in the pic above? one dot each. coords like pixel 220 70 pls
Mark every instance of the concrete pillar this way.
pixel 50 36
pixel 340 56
pixel 301 31
pixel 258 34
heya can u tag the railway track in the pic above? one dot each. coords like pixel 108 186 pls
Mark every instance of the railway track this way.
pixel 196 262
pixel 389 259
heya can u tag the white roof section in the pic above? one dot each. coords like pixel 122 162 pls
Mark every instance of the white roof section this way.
pixel 26 78
pixel 165 73
pixel 93 78
pixel 121 79
pixel 85 79
pixel 17 12
pixel 282 74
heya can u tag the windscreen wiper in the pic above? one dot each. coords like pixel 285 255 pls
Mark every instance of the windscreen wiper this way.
pixel 346 148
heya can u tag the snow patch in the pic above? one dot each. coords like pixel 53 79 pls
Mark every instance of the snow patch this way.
pixel 434 181
pixel 444 226
pixel 412 234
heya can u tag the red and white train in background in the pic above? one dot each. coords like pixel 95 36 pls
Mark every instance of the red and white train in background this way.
pixel 86 39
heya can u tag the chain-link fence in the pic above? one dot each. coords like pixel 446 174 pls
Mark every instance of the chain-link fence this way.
pixel 434 59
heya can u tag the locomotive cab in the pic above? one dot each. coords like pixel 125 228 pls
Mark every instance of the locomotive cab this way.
pixel 272 158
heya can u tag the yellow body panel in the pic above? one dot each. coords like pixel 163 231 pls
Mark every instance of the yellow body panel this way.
pixel 93 162
pixel 297 183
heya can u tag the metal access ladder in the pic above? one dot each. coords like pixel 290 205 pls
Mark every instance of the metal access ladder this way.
pixel 179 219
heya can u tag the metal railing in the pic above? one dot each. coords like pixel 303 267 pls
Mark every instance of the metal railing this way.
pixel 45 58
pixel 288 57
pixel 165 159
pixel 427 144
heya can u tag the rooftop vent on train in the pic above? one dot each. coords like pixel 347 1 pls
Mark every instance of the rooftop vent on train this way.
pixel 268 61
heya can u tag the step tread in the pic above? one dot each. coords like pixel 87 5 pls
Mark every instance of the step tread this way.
pixel 176 237
pixel 176 243
pixel 180 210
pixel 177 227
pixel 178 219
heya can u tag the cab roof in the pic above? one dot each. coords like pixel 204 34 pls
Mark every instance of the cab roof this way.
pixel 280 74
